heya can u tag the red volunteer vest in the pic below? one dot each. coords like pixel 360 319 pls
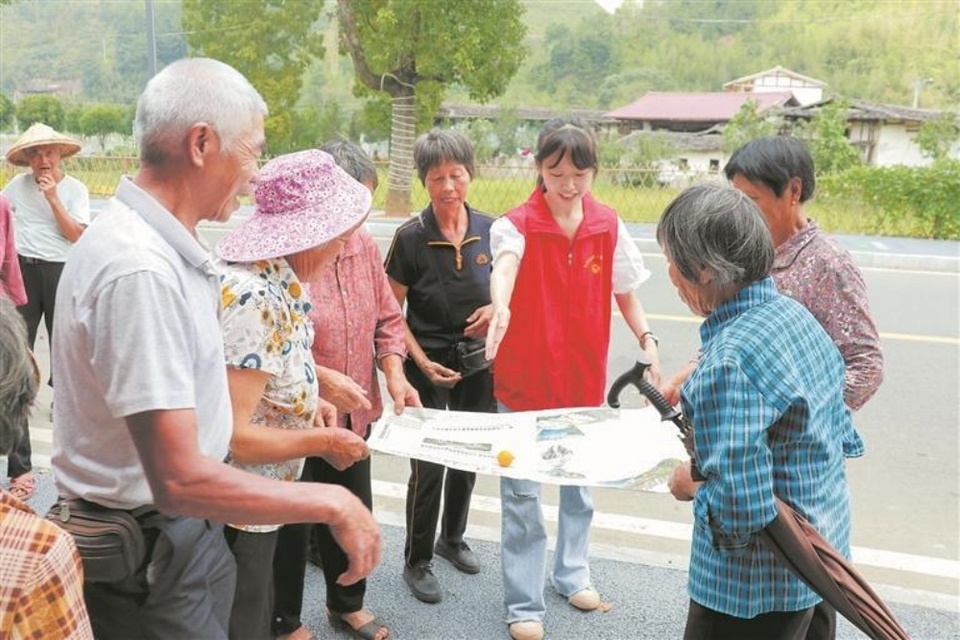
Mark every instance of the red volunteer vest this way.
pixel 554 353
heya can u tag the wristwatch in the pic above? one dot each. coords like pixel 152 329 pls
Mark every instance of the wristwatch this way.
pixel 648 335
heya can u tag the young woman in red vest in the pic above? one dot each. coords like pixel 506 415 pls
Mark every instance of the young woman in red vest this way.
pixel 559 258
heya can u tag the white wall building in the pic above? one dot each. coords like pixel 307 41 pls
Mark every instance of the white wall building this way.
pixel 805 89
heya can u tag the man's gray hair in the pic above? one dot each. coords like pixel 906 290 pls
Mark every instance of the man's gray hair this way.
pixel 189 91
pixel 18 379
pixel 353 159
pixel 718 229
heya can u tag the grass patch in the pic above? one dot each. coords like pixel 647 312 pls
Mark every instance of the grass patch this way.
pixel 496 190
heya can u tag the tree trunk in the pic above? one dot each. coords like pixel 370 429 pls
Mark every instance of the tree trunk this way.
pixel 400 175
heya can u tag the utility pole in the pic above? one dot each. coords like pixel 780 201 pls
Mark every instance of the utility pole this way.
pixel 917 86
pixel 151 40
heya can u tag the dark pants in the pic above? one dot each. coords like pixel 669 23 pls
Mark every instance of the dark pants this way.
pixel 290 558
pixel 191 583
pixel 253 598
pixel 707 624
pixel 428 480
pixel 824 623
pixel 40 280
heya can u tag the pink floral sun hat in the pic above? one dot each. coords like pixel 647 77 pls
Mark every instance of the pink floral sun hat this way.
pixel 303 200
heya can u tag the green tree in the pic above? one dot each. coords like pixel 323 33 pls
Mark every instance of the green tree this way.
pixel 938 135
pixel 507 129
pixel 372 121
pixel 827 137
pixel 71 117
pixel 271 42
pixel 746 125
pixel 7 111
pixel 40 108
pixel 100 120
pixel 413 50
pixel 481 133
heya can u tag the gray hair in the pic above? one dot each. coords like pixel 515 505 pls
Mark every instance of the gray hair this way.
pixel 718 229
pixel 353 159
pixel 438 146
pixel 18 378
pixel 189 91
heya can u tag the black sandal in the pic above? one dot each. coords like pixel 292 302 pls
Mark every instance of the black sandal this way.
pixel 368 631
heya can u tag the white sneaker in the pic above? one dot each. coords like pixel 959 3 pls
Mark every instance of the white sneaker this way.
pixel 586 599
pixel 526 630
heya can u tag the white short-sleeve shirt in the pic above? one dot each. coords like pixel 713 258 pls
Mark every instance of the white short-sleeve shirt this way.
pixel 38 235
pixel 136 329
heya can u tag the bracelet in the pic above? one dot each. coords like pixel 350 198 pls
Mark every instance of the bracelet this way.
pixel 652 336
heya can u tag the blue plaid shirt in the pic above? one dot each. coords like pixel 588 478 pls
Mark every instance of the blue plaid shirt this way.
pixel 766 403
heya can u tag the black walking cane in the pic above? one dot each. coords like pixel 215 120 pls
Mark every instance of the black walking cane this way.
pixel 667 413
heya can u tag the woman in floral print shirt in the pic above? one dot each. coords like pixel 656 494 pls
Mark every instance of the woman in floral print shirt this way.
pixel 306 210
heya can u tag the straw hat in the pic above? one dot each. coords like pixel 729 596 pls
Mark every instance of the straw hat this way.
pixel 39 135
pixel 303 200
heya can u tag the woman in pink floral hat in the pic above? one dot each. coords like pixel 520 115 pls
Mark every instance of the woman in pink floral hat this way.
pixel 306 209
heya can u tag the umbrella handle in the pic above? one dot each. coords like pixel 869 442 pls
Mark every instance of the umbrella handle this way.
pixel 667 412
pixel 634 376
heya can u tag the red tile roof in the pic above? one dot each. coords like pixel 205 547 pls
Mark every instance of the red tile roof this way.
pixel 696 107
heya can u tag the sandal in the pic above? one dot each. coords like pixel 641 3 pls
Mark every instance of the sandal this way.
pixel 23 486
pixel 368 631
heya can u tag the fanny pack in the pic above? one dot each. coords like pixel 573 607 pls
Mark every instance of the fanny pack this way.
pixel 471 357
pixel 110 541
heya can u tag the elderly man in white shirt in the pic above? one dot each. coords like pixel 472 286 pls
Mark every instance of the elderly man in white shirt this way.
pixel 50 211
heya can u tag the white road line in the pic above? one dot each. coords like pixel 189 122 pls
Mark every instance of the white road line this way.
pixel 925 565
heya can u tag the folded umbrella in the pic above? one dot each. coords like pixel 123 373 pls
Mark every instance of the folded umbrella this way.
pixel 791 538
pixel 800 547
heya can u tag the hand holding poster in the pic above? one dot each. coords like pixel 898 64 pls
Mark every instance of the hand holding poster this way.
pixel 624 448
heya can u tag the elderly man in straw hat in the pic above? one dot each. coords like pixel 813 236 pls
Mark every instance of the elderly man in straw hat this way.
pixel 50 211
pixel 143 408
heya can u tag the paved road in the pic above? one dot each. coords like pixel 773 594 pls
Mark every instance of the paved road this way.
pixel 649 601
pixel 905 491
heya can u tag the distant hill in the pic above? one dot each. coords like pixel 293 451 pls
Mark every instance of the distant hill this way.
pixel 580 56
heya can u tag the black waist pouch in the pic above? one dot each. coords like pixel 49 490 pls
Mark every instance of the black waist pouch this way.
pixel 110 541
pixel 471 357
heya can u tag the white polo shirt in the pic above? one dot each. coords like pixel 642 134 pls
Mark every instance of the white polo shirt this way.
pixel 38 235
pixel 136 329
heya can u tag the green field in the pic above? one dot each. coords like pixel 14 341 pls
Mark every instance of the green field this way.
pixel 498 194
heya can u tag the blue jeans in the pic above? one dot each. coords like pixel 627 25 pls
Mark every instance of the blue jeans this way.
pixel 523 552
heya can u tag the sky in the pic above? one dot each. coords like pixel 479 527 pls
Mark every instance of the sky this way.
pixel 609 5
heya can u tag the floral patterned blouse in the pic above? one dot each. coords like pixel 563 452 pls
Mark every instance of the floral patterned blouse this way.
pixel 265 327
pixel 816 271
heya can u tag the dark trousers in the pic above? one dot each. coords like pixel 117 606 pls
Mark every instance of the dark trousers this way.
pixel 428 480
pixel 707 624
pixel 253 597
pixel 290 558
pixel 824 623
pixel 191 584
pixel 40 280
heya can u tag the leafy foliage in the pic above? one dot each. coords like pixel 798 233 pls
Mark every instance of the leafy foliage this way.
pixel 40 108
pixel 94 51
pixel 914 201
pixel 862 48
pixel 100 120
pixel 938 135
pixel 271 42
pixel 7 111
pixel 746 125
pixel 413 50
pixel 827 137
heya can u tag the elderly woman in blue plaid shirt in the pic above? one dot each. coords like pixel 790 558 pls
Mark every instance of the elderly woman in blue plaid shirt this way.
pixel 766 404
